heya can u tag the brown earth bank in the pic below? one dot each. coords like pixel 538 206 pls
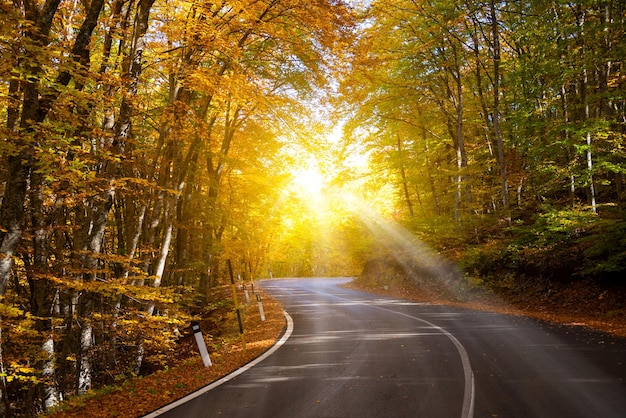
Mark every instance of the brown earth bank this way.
pixel 185 371
pixel 598 305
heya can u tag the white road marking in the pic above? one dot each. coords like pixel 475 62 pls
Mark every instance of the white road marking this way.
pixel 231 376
pixel 469 392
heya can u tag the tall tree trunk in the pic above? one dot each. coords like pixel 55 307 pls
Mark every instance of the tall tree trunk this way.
pixel 584 93
pixel 12 213
pixel 20 163
pixel 405 186
pixel 495 33
pixel 98 212
pixel 462 177
pixel 592 186
pixel 84 367
pixel 161 262
pixel 429 171
pixel 42 294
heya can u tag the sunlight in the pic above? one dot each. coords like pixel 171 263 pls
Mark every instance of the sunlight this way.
pixel 328 189
pixel 420 263
pixel 408 249
pixel 308 181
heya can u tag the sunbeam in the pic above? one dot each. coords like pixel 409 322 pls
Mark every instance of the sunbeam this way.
pixel 420 263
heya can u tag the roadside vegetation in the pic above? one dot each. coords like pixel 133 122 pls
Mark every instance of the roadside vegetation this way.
pixel 182 371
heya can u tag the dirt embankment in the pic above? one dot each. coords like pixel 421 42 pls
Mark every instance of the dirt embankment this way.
pixel 599 306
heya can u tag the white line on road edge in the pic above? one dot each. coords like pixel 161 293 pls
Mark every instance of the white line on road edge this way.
pixel 467 410
pixel 469 392
pixel 231 376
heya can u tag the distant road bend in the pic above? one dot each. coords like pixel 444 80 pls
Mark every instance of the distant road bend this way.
pixel 352 354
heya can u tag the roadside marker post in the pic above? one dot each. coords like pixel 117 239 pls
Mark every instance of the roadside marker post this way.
pixel 245 292
pixel 204 353
pixel 261 311
pixel 251 278
pixel 239 320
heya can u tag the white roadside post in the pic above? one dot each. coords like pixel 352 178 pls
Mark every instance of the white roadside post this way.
pixel 261 311
pixel 245 292
pixel 201 344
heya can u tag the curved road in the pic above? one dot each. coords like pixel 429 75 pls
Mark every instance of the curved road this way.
pixel 352 354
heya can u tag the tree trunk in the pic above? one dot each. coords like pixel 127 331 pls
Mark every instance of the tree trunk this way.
pixel 584 82
pixel 48 373
pixel 455 127
pixel 495 33
pixel 429 171
pixel 405 186
pixel 42 294
pixel 12 214
pixel 158 276
pixel 592 187
pixel 462 177
pixel 160 266
pixel 84 369
pixel 20 163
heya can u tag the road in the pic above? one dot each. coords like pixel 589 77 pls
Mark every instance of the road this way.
pixel 352 354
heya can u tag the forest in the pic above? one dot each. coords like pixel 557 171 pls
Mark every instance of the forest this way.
pixel 146 143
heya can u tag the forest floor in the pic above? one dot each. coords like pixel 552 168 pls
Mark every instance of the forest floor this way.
pixel 582 304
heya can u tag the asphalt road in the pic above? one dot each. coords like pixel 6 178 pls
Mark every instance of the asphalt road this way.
pixel 352 354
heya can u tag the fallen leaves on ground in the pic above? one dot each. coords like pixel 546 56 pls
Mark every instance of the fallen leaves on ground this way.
pixel 578 304
pixel 139 396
